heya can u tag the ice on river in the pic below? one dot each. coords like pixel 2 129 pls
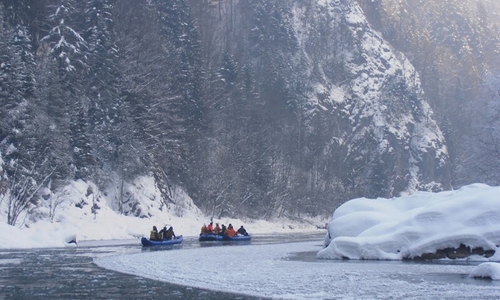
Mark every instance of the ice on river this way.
pixel 268 271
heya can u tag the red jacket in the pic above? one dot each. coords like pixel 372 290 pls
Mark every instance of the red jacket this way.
pixel 231 232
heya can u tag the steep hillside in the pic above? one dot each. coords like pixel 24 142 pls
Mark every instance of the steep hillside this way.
pixel 340 113
pixel 253 108
pixel 454 45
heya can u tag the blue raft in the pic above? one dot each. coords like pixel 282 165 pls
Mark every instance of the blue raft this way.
pixel 147 242
pixel 213 237
pixel 209 237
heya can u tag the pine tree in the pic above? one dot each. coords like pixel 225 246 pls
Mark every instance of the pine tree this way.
pixel 66 45
pixel 17 80
pixel 26 169
pixel 178 28
pixel 83 158
pixel 60 82
pixel 182 49
pixel 103 90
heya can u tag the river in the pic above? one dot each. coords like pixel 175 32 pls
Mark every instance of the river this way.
pixel 70 273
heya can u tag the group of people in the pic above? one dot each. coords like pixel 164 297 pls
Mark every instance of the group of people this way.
pixel 168 234
pixel 163 234
pixel 222 230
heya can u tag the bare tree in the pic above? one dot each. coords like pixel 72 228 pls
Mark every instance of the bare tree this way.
pixel 23 190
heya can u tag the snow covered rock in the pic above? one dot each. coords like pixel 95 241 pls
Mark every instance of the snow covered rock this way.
pixel 486 270
pixel 453 224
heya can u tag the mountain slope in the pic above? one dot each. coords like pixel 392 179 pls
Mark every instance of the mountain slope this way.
pixel 381 102
pixel 254 108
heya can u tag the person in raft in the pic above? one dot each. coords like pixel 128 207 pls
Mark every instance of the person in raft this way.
pixel 230 232
pixel 163 233
pixel 223 230
pixel 169 234
pixel 217 229
pixel 242 231
pixel 210 228
pixel 154 236
pixel 204 229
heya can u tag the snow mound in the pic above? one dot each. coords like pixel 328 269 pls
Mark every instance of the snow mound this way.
pixel 33 238
pixel 414 225
pixel 486 270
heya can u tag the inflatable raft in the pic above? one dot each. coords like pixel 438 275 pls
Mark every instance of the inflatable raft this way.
pixel 147 242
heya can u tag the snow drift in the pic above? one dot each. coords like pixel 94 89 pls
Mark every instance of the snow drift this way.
pixel 411 226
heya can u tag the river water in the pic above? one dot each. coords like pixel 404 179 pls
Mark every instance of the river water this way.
pixel 70 273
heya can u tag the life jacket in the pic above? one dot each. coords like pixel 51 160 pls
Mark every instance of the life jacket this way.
pixel 154 235
pixel 230 232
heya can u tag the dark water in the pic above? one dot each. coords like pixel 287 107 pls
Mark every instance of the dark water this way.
pixel 69 273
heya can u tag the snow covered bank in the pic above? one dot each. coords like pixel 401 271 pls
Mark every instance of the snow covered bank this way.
pixel 114 226
pixel 81 210
pixel 411 226
pixel 75 217
pixel 12 237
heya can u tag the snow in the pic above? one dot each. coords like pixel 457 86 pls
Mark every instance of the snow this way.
pixel 410 226
pixel 71 220
pixel 377 229
pixel 13 237
pixel 486 270
pixel 384 229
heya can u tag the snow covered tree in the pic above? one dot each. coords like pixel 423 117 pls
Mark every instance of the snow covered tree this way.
pixel 65 44
pixel 32 164
pixel 180 33
pixel 486 155
pixel 60 81
pixel 182 100
pixel 26 170
pixel 106 108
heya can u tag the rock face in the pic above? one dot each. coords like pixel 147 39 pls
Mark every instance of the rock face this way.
pixel 390 136
pixel 339 113
pixel 462 251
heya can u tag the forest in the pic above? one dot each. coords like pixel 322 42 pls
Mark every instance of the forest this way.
pixel 255 108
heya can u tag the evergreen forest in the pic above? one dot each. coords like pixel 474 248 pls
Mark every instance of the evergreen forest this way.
pixel 255 108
